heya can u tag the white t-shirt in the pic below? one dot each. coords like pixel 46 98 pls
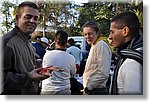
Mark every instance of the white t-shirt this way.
pixel 59 81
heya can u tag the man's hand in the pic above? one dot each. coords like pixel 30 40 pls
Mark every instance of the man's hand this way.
pixel 35 76
pixel 43 73
pixel 48 70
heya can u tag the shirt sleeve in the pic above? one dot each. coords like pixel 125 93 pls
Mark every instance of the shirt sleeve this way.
pixel 73 67
pixel 130 77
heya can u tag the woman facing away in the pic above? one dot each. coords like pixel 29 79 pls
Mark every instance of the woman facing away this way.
pixel 59 82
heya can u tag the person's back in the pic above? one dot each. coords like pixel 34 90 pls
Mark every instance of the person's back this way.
pixel 59 83
pixel 75 51
pixel 40 51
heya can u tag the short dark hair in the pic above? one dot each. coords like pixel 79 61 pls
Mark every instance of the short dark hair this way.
pixel 61 37
pixel 93 25
pixel 71 41
pixel 128 19
pixel 26 3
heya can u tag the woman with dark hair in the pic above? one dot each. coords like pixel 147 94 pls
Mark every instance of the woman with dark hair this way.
pixel 59 82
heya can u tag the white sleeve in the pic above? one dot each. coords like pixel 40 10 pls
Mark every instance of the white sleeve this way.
pixel 130 77
pixel 73 67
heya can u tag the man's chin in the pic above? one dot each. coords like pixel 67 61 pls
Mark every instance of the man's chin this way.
pixel 29 31
pixel 115 46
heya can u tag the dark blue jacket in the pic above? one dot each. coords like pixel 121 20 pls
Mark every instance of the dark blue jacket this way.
pixel 39 50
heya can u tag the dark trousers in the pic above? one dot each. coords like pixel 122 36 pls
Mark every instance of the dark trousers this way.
pixel 76 87
pixel 97 91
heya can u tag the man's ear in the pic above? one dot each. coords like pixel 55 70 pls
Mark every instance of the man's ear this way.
pixel 126 31
pixel 17 17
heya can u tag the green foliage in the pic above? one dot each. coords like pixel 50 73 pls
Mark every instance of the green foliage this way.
pixel 70 17
pixel 6 11
pixel 56 14
pixel 102 12
pixel 137 8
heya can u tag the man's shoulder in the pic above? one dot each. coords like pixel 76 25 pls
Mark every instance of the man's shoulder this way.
pixel 101 42
pixel 130 65
pixel 73 48
pixel 8 36
pixel 36 44
pixel 130 62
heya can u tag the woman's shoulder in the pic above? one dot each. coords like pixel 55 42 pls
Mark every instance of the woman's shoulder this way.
pixel 102 42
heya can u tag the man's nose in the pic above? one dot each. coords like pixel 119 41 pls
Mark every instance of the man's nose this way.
pixel 32 19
